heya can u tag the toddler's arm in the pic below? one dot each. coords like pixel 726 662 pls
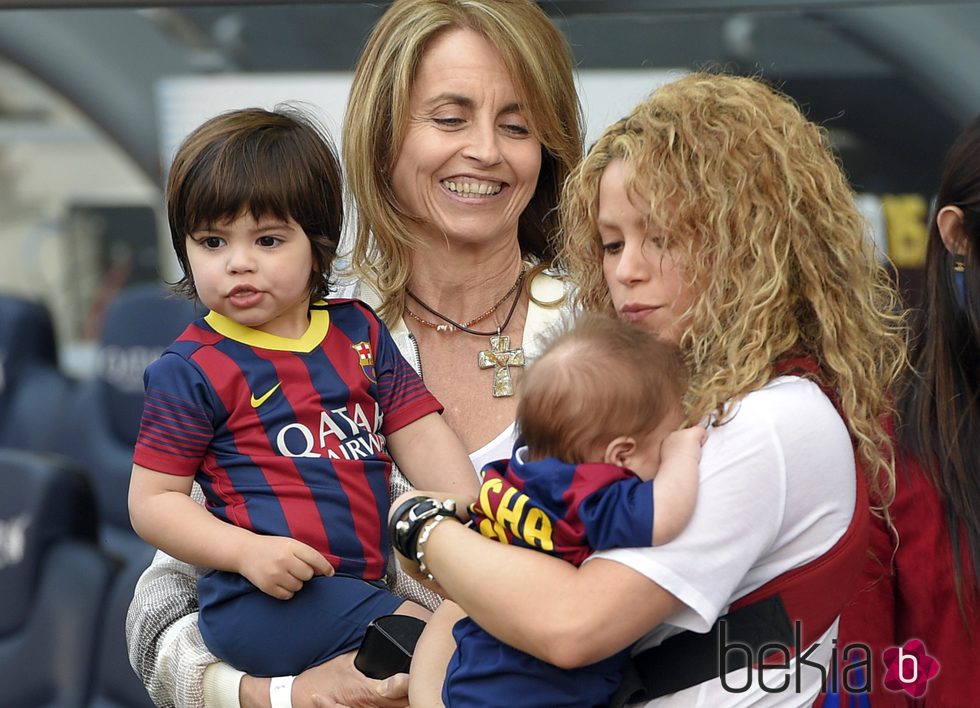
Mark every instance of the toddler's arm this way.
pixel 675 488
pixel 431 456
pixel 164 515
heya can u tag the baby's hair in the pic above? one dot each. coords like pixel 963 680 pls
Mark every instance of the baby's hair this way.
pixel 598 380
pixel 277 163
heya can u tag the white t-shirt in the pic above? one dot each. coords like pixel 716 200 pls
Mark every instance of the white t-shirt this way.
pixel 777 489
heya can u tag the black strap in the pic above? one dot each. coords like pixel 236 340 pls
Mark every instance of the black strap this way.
pixel 690 658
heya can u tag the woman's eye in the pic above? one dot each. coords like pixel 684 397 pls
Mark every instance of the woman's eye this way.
pixel 612 247
pixel 516 129
pixel 448 122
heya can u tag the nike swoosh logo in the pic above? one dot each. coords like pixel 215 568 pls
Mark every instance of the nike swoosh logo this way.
pixel 256 402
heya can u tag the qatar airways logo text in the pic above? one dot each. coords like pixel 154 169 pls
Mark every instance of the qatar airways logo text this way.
pixel 346 433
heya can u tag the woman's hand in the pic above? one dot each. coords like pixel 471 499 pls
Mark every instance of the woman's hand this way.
pixel 338 683
pixel 333 684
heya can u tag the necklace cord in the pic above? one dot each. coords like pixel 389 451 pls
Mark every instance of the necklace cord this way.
pixel 465 327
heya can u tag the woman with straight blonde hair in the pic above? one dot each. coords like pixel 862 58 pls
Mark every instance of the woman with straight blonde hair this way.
pixel 462 124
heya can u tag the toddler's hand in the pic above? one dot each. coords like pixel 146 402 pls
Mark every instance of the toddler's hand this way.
pixel 278 566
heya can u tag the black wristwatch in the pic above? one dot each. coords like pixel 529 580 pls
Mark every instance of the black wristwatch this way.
pixel 410 517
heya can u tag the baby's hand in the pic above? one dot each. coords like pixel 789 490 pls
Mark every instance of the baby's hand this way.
pixel 675 490
pixel 278 566
pixel 685 442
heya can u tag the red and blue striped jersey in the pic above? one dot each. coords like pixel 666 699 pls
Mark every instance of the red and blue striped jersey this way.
pixel 286 436
pixel 563 509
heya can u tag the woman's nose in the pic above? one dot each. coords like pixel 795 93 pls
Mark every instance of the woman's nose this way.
pixel 633 265
pixel 483 143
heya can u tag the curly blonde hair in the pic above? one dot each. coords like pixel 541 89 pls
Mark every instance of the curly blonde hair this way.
pixel 751 198
pixel 540 63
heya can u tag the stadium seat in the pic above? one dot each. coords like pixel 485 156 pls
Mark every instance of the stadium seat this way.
pixel 33 391
pixel 115 683
pixel 26 333
pixel 104 416
pixel 53 581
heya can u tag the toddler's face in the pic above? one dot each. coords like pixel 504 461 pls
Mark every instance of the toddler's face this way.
pixel 256 273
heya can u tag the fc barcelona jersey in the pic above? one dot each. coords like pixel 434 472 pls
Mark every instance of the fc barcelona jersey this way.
pixel 286 436
pixel 563 509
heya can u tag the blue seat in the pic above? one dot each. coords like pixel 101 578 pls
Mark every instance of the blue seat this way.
pixel 53 581
pixel 104 416
pixel 115 683
pixel 33 391
pixel 26 334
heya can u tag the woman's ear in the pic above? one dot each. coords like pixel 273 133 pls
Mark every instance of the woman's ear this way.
pixel 950 223
pixel 619 450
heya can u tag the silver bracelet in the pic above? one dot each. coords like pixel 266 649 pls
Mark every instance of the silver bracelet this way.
pixel 420 544
pixel 281 691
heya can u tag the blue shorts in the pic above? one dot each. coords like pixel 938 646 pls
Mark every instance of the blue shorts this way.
pixel 263 636
pixel 486 673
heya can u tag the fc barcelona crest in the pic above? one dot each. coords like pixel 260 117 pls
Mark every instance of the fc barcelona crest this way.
pixel 365 357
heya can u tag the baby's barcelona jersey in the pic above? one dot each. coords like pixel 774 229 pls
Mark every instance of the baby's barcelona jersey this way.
pixel 566 510
pixel 286 436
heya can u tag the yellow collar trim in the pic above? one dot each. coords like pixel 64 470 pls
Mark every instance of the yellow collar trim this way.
pixel 311 339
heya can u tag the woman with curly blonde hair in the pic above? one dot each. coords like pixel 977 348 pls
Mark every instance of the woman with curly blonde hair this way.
pixel 746 192
pixel 717 216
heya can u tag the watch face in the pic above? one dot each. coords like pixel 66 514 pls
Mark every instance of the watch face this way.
pixel 424 509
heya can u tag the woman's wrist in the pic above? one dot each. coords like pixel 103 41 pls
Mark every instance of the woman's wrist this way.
pixel 423 539
pixel 411 516
pixel 253 692
pixel 281 691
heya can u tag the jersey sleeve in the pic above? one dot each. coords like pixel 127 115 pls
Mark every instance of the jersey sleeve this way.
pixel 620 515
pixel 402 395
pixel 176 427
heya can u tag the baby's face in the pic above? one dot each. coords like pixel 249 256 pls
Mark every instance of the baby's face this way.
pixel 645 458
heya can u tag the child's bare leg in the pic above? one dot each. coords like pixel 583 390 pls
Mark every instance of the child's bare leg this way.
pixel 432 655
pixel 414 610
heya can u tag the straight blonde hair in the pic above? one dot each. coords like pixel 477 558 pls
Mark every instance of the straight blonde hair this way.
pixel 540 63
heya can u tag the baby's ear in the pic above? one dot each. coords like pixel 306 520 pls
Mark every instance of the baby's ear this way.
pixel 950 223
pixel 619 450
